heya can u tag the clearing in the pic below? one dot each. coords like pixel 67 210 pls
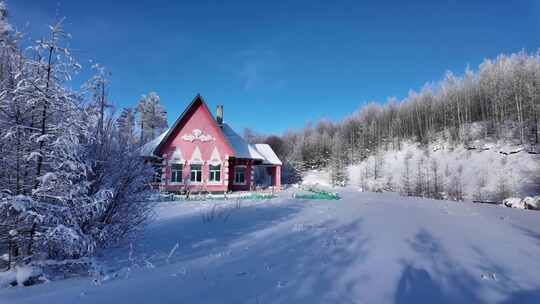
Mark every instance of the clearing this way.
pixel 364 248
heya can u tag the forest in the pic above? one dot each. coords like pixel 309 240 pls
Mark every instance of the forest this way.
pixel 499 101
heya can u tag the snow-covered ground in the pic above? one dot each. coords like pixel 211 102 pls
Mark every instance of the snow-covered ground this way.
pixel 364 248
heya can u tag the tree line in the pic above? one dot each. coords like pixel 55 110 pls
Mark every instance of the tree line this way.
pixel 502 95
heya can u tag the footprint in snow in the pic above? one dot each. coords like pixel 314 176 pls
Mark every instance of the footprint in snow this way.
pixel 489 276
pixel 281 284
pixel 181 272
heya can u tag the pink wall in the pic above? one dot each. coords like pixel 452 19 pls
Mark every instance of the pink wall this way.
pixel 197 118
pixel 276 177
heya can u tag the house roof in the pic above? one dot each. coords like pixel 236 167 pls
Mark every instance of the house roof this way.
pixel 241 149
pixel 270 157
pixel 148 149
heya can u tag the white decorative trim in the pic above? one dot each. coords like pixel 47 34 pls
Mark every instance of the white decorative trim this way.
pixel 197 135
pixel 215 158
pixel 176 157
pixel 196 157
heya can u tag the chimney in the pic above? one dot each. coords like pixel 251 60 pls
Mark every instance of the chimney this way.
pixel 219 115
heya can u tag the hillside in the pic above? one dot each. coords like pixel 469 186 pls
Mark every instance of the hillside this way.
pixel 478 127
pixel 479 168
pixel 484 171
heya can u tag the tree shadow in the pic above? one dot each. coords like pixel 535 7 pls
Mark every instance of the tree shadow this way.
pixel 535 236
pixel 417 286
pixel 523 297
pixel 305 265
pixel 453 284
pixel 445 281
pixel 315 261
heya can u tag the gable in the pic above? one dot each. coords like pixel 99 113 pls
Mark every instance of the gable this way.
pixel 195 128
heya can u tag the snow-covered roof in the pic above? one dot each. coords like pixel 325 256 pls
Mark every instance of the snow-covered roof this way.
pixel 240 147
pixel 149 148
pixel 270 157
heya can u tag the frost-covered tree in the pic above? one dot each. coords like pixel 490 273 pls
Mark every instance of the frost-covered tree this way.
pixel 455 185
pixel 152 117
pixel 5 27
pixel 420 178
pixel 501 98
pixel 125 125
pixel 436 180
pixel 96 87
pixel 68 185
pixel 481 182
pixel 52 67
pixel 337 164
pixel 406 185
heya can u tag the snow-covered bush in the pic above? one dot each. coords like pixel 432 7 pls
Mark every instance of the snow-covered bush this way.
pixel 526 203
pixel 513 202
pixel 532 202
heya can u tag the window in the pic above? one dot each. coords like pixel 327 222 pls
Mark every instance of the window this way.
pixel 196 173
pixel 240 175
pixel 176 173
pixel 214 174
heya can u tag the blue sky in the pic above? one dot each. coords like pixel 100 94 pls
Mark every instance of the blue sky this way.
pixel 277 64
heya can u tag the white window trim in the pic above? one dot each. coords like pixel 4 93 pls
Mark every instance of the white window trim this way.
pixel 202 170
pixel 182 174
pixel 245 177
pixel 220 182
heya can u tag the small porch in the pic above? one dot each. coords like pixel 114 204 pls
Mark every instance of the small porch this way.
pixel 253 174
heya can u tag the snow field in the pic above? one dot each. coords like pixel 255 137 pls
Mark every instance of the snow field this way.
pixel 364 248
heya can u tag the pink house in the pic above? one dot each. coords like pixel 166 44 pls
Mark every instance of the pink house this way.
pixel 201 153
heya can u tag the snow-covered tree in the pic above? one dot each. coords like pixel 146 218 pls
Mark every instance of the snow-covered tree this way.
pixel 501 98
pixel 420 178
pixel 152 117
pixel 406 185
pixel 455 185
pixel 68 185
pixel 125 125
pixel 337 164
pixel 436 180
